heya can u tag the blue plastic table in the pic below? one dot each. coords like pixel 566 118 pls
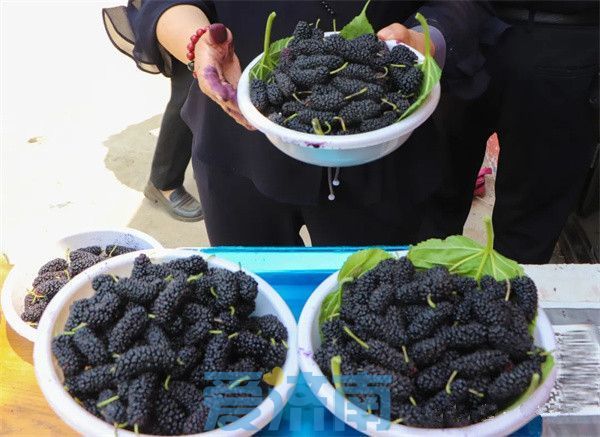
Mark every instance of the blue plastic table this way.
pixel 295 273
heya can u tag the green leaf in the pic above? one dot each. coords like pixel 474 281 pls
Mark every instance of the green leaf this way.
pixel 357 264
pixel 431 70
pixel 547 366
pixel 359 25
pixel 463 256
pixel 531 326
pixel 271 52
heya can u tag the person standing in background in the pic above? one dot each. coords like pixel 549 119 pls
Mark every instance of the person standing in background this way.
pixel 174 145
pixel 541 98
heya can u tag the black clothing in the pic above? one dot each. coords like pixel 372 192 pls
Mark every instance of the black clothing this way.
pixel 544 78
pixel 236 213
pixel 174 145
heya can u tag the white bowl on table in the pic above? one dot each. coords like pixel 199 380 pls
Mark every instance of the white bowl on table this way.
pixel 335 150
pixel 22 275
pixel 49 374
pixel 502 424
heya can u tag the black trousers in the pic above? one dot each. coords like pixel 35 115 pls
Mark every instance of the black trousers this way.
pixel 236 213
pixel 174 145
pixel 544 81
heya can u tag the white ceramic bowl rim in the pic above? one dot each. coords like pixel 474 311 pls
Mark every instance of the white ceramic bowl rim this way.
pixel 79 419
pixel 346 411
pixel 360 140
pixel 13 284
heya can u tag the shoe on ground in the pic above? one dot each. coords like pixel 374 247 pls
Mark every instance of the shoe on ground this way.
pixel 180 204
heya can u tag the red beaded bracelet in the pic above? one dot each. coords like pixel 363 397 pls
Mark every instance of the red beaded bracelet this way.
pixel 191 47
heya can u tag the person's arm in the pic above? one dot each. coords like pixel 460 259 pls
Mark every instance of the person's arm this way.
pixel 176 25
pixel 170 24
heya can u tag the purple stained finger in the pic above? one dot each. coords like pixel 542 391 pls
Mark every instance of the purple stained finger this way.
pixel 211 75
pixel 218 33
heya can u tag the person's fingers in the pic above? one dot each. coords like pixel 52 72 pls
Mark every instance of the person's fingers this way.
pixel 218 33
pixel 394 31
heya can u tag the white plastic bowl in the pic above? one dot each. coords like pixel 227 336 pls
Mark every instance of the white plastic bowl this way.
pixel 22 275
pixel 335 150
pixel 503 424
pixel 49 374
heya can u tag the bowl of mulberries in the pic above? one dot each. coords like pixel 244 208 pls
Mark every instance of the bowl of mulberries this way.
pixel 31 286
pixel 167 343
pixel 338 98
pixel 409 351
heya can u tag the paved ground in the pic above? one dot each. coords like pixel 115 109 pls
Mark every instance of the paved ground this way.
pixel 78 130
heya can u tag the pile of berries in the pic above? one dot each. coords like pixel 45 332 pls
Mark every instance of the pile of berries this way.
pixel 140 352
pixel 53 275
pixel 457 352
pixel 333 86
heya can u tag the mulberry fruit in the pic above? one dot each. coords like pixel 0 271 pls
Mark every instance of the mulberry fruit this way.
pixel 247 285
pixel 53 266
pixel 168 300
pixel 359 110
pixel 285 84
pixel 155 336
pixel 79 261
pixel 481 362
pixel 193 265
pixel 358 71
pixel 302 31
pixel 467 336
pixel 396 101
pixel 186 394
pixel 407 80
pixel 402 55
pixel 328 100
pixel 330 62
pixel 381 298
pixel 358 88
pixel 307 78
pixel 249 344
pixel 274 356
pixel 187 358
pixel 196 421
pixel 524 293
pixel 127 329
pixel 69 359
pixel 90 346
pixel 489 311
pixel 90 381
pixel 307 115
pixel 139 291
pixel 258 94
pixel 372 124
pixel 113 411
pixel 433 378
pixel 274 95
pixel 216 354
pixel 516 344
pixel 429 320
pixel 49 289
pixel 332 330
pixel 270 327
pixel 170 417
pixel 143 359
pixel 140 400
pixel 115 250
pixel 98 312
pixel 307 47
pixel 427 351
pixel 48 276
pixel 512 383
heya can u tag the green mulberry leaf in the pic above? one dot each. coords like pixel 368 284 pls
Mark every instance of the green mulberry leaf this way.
pixel 463 256
pixel 356 265
pixel 264 68
pixel 431 70
pixel 359 25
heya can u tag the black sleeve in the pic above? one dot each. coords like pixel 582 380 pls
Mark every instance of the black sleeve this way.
pixel 466 27
pixel 147 48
